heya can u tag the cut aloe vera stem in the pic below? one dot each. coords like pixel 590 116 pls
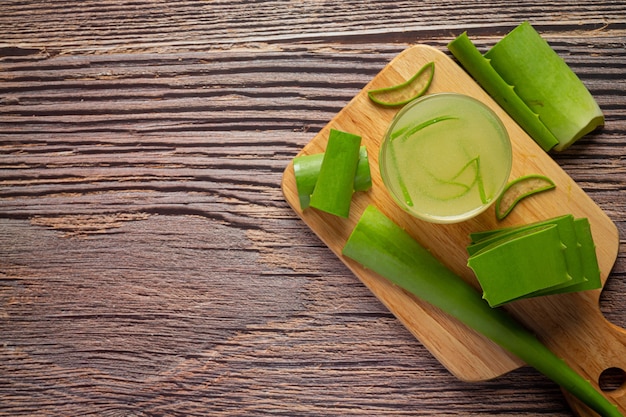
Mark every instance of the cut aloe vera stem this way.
pixel 503 93
pixel 401 94
pixel 518 189
pixel 335 183
pixel 382 246
pixel 307 169
pixel 527 77
pixel 545 82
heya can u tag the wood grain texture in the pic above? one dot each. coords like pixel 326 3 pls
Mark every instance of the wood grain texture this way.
pixel 149 264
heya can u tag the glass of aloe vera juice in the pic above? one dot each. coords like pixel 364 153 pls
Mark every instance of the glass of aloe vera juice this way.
pixel 445 158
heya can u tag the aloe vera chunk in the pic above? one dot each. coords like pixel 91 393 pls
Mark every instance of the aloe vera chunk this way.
pixel 335 183
pixel 380 245
pixel 307 169
pixel 545 82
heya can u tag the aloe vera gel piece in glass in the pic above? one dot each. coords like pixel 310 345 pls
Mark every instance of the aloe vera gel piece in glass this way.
pixel 445 157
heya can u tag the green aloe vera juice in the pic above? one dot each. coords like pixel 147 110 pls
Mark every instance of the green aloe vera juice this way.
pixel 445 157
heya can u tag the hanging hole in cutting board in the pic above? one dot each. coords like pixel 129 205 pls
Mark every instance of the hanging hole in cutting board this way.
pixel 612 379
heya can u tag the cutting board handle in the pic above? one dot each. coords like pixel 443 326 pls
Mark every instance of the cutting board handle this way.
pixel 598 350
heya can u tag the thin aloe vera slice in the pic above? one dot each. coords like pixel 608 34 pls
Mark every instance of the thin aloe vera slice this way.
pixel 335 183
pixel 578 251
pixel 591 269
pixel 571 254
pixel 401 94
pixel 503 93
pixel 519 189
pixel 505 276
pixel 380 245
pixel 307 169
pixel 545 82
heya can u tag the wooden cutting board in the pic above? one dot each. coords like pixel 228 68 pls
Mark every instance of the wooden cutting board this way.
pixel 571 325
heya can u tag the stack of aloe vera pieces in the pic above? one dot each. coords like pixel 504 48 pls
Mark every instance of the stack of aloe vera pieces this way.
pixel 544 258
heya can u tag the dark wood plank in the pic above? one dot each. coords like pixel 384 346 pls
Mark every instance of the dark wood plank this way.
pixel 148 262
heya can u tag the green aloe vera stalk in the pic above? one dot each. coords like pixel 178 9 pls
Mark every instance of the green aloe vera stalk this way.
pixel 504 94
pixel 307 169
pixel 335 183
pixel 382 246
pixel 545 82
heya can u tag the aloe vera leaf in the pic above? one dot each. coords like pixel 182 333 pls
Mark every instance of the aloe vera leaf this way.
pixel 335 183
pixel 545 82
pixel 380 245
pixel 503 93
pixel 403 93
pixel 505 276
pixel 518 189
pixel 307 169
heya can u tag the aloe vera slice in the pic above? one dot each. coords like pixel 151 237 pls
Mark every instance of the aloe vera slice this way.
pixel 401 94
pixel 335 183
pixel 577 251
pixel 591 270
pixel 505 276
pixel 545 82
pixel 380 245
pixel 503 93
pixel 307 169
pixel 519 189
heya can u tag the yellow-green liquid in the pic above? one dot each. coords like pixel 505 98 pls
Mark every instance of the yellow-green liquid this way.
pixel 446 158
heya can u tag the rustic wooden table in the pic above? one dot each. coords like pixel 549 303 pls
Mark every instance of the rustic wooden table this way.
pixel 149 264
